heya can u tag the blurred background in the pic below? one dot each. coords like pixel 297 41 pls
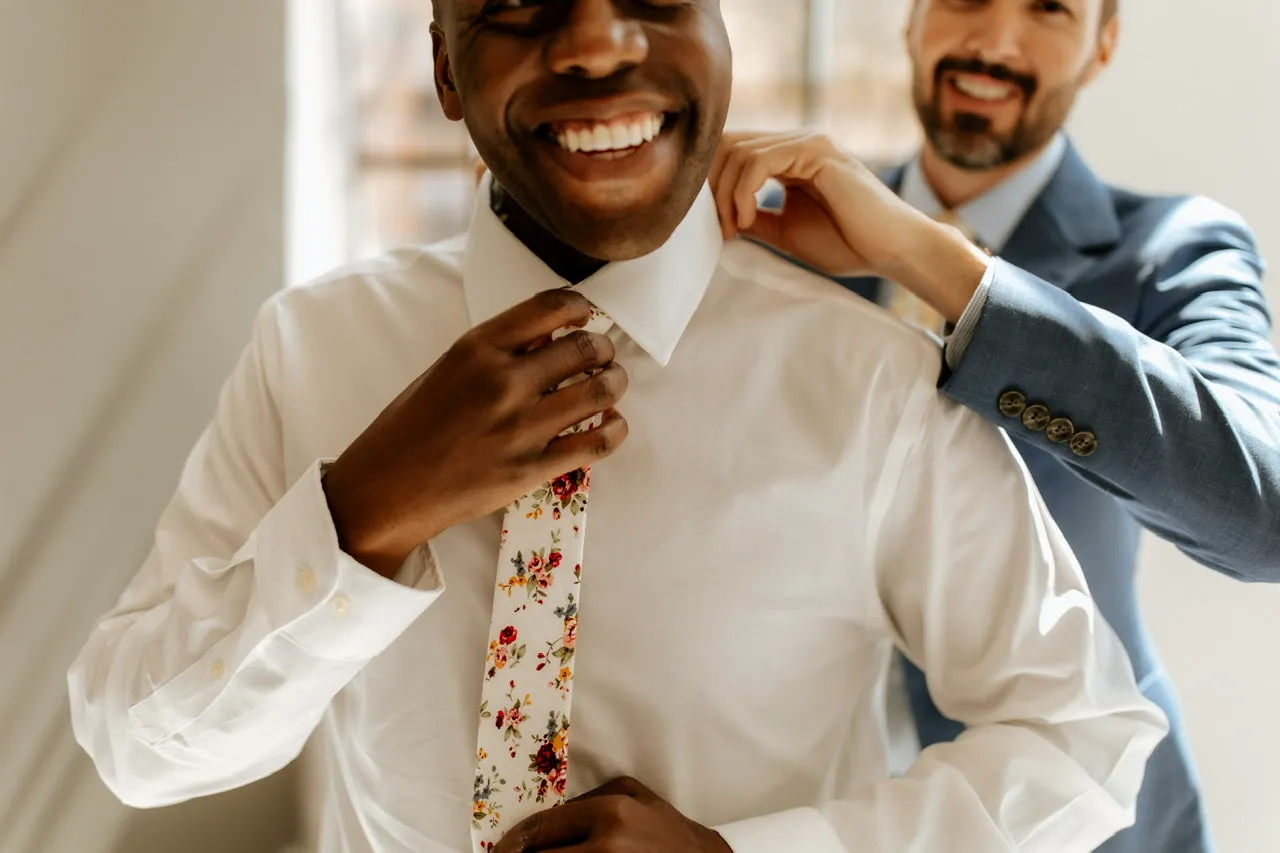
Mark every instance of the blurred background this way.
pixel 166 164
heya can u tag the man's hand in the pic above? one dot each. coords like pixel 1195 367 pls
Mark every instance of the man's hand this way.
pixel 480 428
pixel 622 816
pixel 839 218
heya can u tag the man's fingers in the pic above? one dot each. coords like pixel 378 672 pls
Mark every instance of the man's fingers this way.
pixel 726 187
pixel 728 145
pixel 623 786
pixel 757 169
pixel 570 452
pixel 578 402
pixel 744 165
pixel 537 317
pixel 583 823
pixel 766 227
pixel 564 358
pixel 555 828
pixel 560 827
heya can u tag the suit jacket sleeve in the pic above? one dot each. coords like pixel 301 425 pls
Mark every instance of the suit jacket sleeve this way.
pixel 1185 403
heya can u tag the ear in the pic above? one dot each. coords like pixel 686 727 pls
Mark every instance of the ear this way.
pixel 1108 38
pixel 909 31
pixel 446 91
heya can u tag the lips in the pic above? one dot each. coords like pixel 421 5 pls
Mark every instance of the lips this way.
pixel 991 83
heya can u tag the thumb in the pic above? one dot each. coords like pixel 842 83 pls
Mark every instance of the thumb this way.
pixel 766 228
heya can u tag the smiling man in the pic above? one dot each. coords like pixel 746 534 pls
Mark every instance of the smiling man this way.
pixel 1123 339
pixel 381 540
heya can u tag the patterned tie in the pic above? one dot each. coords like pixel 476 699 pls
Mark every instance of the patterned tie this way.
pixel 522 748
pixel 908 307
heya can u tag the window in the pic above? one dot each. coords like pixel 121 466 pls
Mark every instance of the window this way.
pixel 838 64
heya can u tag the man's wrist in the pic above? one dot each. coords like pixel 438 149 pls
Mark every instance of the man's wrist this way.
pixel 356 538
pixel 938 264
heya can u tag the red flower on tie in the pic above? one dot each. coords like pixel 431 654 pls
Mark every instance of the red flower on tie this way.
pixel 546 761
pixel 508 635
pixel 566 486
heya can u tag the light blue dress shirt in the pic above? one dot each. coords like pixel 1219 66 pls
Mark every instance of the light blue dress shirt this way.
pixel 991 217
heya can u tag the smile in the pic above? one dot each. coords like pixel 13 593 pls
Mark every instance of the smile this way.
pixel 620 134
pixel 983 88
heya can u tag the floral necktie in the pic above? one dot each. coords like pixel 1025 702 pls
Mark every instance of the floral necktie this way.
pixel 523 746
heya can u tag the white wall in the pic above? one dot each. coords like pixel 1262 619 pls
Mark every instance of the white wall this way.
pixel 141 149
pixel 1191 105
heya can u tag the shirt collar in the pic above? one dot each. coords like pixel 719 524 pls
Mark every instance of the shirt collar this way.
pixel 994 215
pixel 651 298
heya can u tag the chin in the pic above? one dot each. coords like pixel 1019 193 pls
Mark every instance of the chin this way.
pixel 624 220
pixel 969 151
pixel 618 235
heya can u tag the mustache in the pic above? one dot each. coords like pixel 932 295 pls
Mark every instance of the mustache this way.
pixel 1026 82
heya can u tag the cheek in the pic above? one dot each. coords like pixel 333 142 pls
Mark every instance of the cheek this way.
pixel 1060 58
pixel 935 39
pixel 488 79
pixel 924 60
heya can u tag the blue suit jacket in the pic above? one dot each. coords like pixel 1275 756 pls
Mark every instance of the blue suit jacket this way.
pixel 1142 320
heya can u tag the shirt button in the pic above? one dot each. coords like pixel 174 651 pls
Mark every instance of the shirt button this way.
pixel 217 669
pixel 1012 403
pixel 306 580
pixel 1060 430
pixel 1084 444
pixel 1036 417
pixel 341 605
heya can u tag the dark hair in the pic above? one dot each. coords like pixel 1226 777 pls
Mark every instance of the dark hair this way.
pixel 1109 9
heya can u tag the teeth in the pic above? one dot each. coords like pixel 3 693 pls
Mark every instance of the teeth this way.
pixel 982 90
pixel 611 136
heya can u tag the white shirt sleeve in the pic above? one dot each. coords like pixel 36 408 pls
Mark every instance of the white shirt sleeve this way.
pixel 246 619
pixel 983 593
pixel 958 341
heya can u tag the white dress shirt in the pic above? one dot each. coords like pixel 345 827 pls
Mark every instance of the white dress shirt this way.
pixel 795 500
pixel 992 217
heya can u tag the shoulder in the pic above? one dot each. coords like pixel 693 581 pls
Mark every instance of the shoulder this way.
pixel 763 274
pixel 1159 228
pixel 382 315
pixel 825 320
pixel 399 282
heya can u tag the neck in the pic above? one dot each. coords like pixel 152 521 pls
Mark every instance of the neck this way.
pixel 955 186
pixel 564 260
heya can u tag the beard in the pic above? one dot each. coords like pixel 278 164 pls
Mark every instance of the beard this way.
pixel 969 141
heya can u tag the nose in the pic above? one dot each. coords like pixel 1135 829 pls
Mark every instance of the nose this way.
pixel 997 34
pixel 596 40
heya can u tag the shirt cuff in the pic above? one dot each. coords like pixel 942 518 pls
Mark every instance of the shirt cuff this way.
pixel 320 597
pixel 782 832
pixel 958 341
